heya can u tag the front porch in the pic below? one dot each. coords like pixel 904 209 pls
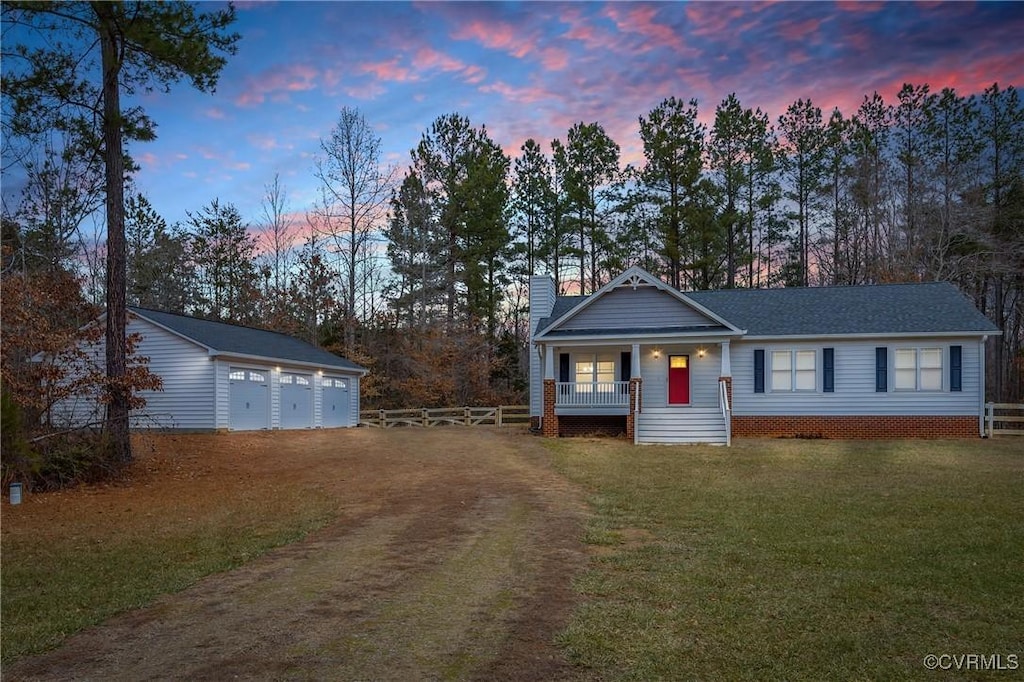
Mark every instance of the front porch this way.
pixel 653 393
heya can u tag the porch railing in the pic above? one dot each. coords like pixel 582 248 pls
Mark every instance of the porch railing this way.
pixel 723 402
pixel 592 394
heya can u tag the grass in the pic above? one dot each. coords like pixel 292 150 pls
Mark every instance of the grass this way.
pixel 89 567
pixel 796 559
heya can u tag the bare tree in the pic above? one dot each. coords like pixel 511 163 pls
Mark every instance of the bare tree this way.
pixel 277 243
pixel 359 188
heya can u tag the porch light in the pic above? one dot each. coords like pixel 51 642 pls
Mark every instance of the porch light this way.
pixel 701 352
pixel 656 353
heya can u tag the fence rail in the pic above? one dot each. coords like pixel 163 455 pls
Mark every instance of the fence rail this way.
pixel 1004 419
pixel 502 415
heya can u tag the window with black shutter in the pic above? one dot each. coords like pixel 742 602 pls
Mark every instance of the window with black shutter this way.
pixel 955 368
pixel 881 369
pixel 828 370
pixel 759 370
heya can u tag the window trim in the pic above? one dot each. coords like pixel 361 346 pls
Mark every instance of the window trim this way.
pixel 793 370
pixel 917 353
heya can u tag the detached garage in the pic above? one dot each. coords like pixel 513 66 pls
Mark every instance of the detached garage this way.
pixel 219 376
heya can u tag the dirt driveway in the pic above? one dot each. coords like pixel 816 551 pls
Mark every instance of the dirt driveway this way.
pixel 451 558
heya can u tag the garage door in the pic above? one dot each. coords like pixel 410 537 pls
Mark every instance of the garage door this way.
pixel 296 401
pixel 336 402
pixel 250 399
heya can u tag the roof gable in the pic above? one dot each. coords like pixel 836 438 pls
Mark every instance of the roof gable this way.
pixel 634 302
pixel 231 339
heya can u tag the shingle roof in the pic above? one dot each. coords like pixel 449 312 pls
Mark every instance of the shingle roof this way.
pixel 563 304
pixel 931 307
pixel 640 331
pixel 235 339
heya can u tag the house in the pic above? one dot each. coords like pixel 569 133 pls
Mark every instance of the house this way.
pixel 219 376
pixel 662 366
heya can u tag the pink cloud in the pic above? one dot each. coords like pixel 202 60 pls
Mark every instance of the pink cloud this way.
pixel 264 142
pixel 554 59
pixel 277 82
pixel 215 113
pixel 388 71
pixel 428 58
pixel 367 91
pixel 859 6
pixel 800 30
pixel 496 36
pixel 527 95
pixel 640 19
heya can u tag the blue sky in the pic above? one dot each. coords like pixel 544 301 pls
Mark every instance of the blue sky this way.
pixel 532 70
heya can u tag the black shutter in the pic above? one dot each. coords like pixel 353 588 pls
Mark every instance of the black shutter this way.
pixel 563 367
pixel 626 366
pixel 955 368
pixel 881 369
pixel 828 363
pixel 759 370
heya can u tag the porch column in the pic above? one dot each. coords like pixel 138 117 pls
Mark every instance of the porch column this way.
pixel 726 373
pixel 634 369
pixel 635 406
pixel 549 420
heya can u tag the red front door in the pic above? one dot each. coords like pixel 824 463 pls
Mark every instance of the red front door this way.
pixel 679 380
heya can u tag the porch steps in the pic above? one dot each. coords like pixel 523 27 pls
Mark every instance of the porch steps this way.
pixel 681 425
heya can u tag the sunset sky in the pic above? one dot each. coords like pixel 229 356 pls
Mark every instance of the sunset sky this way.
pixel 532 70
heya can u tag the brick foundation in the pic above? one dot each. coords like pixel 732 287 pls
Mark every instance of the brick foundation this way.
pixel 550 420
pixel 635 400
pixel 591 425
pixel 870 427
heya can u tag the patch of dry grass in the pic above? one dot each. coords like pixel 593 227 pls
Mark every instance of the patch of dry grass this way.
pixel 796 559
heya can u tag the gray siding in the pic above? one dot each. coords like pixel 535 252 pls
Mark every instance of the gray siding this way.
pixel 855 382
pixel 186 401
pixel 643 307
pixel 542 301
pixel 704 373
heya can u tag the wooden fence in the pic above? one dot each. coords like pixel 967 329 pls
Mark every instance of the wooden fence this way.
pixel 1004 419
pixel 502 415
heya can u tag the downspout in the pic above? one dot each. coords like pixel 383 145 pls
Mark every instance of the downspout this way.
pixel 981 382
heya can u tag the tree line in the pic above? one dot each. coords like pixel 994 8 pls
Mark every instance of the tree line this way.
pixel 421 273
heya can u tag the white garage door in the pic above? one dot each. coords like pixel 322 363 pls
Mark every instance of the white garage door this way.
pixel 296 401
pixel 250 399
pixel 336 402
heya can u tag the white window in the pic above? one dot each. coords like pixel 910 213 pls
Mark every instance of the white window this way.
pixel 904 369
pixel 237 375
pixel 257 376
pixel 782 370
pixel 794 370
pixel 592 370
pixel 917 369
pixel 302 381
pixel 286 378
pixel 806 379
pixel 931 369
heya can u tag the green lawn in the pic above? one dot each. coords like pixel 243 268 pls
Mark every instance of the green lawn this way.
pixel 798 559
